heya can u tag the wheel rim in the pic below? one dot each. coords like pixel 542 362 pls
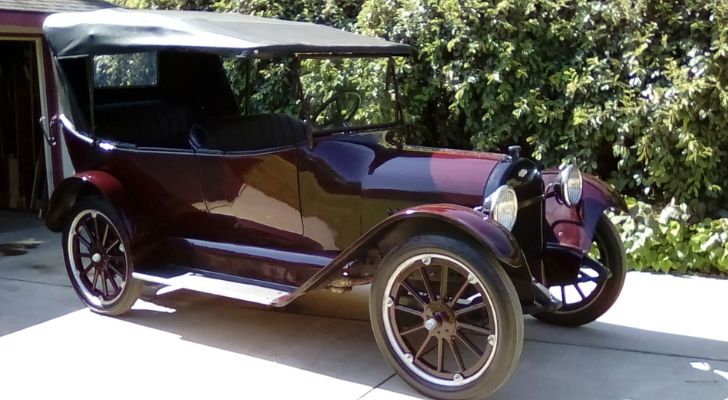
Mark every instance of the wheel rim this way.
pixel 98 259
pixel 589 283
pixel 445 333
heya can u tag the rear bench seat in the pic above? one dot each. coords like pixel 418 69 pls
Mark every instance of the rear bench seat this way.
pixel 248 133
pixel 146 124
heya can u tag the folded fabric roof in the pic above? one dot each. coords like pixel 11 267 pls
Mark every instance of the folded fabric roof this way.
pixel 117 30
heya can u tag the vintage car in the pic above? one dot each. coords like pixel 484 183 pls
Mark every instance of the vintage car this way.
pixel 184 179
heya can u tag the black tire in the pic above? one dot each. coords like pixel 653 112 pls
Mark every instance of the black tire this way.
pixel 99 230
pixel 604 295
pixel 502 337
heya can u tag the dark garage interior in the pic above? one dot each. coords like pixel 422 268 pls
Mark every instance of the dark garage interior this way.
pixel 22 167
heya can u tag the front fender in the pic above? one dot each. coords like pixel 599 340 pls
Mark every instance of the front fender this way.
pixel 493 236
pixel 85 183
pixel 575 227
pixel 497 242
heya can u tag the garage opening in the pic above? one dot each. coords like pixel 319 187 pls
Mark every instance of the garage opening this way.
pixel 22 163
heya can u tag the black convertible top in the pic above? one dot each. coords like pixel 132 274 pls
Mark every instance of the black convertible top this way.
pixel 118 30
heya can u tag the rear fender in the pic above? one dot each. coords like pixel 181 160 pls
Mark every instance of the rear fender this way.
pixel 496 242
pixel 87 183
pixel 575 227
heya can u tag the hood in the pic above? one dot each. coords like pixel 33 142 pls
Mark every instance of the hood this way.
pixel 417 174
pixel 351 182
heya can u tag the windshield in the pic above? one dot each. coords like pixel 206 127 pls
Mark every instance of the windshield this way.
pixel 341 94
pixel 348 93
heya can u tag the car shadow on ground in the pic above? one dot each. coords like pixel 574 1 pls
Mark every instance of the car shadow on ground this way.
pixel 344 348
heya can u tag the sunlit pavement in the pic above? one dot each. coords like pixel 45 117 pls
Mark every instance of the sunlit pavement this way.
pixel 666 338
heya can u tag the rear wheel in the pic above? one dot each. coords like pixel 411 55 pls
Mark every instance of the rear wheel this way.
pixel 98 261
pixel 445 319
pixel 598 282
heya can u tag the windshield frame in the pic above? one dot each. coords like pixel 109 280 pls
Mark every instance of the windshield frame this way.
pixel 305 113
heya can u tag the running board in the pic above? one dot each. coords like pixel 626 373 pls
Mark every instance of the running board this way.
pixel 211 283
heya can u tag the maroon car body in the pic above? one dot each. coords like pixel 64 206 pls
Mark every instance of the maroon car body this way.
pixel 300 211
pixel 380 183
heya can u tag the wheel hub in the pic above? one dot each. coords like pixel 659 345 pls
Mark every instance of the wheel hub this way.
pixel 96 258
pixel 440 320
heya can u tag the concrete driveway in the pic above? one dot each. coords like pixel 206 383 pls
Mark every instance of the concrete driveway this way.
pixel 666 338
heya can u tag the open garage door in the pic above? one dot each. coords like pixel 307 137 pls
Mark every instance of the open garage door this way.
pixel 22 158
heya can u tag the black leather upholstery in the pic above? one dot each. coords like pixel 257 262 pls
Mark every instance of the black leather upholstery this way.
pixel 147 124
pixel 247 133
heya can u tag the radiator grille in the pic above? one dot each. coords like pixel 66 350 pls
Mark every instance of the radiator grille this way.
pixel 528 229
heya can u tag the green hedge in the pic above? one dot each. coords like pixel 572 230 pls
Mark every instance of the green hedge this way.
pixel 635 91
pixel 673 239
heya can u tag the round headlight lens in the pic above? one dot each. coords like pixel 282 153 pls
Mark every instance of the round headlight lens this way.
pixel 571 185
pixel 502 205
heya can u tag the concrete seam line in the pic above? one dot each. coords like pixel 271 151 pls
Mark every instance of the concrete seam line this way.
pixel 376 386
pixel 654 353
pixel 35 282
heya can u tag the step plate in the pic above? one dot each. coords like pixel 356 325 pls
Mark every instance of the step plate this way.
pixel 200 283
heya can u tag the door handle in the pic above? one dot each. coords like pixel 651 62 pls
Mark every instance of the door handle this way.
pixel 47 129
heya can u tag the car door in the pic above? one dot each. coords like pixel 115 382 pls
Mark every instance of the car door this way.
pixel 252 197
pixel 248 171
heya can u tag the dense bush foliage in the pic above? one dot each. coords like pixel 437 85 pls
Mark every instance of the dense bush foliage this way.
pixel 115 70
pixel 673 239
pixel 635 91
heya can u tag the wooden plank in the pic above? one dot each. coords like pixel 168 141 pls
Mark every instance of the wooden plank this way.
pixel 14 200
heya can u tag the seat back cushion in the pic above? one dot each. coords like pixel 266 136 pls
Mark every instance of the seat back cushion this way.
pixel 147 124
pixel 250 132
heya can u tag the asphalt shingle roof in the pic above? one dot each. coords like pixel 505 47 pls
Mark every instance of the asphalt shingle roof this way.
pixel 51 6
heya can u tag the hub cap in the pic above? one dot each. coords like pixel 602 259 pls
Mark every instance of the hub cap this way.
pixel 440 320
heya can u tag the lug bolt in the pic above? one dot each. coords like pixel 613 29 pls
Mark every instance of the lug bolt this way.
pixel 408 358
pixel 426 260
pixel 457 378
pixel 390 302
pixel 491 339
pixel 431 324
pixel 472 279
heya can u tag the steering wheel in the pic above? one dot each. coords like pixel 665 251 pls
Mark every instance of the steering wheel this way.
pixel 340 116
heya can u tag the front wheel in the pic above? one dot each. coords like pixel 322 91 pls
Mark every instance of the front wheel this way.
pixel 448 321
pixel 98 260
pixel 597 284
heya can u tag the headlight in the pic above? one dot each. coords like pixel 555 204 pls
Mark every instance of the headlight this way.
pixel 570 184
pixel 502 206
